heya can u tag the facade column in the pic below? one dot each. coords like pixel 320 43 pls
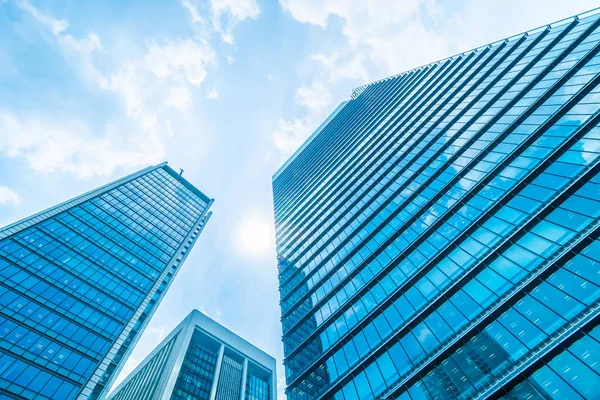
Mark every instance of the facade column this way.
pixel 244 374
pixel 213 389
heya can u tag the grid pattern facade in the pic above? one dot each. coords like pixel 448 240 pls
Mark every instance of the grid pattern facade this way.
pixel 78 282
pixel 230 379
pixel 438 237
pixel 257 388
pixel 197 371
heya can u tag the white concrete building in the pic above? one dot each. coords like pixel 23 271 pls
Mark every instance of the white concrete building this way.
pixel 201 359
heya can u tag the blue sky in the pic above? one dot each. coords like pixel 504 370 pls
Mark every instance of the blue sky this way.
pixel 226 90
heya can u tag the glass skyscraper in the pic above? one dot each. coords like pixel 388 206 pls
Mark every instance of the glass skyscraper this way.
pixel 201 360
pixel 80 281
pixel 439 236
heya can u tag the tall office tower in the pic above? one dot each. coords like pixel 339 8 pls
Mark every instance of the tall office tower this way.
pixel 201 360
pixel 439 236
pixel 79 281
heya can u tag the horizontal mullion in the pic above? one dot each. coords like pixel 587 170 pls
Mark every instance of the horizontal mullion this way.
pixel 384 147
pixel 103 334
pixel 289 175
pixel 84 353
pixel 472 163
pixel 562 344
pixel 372 116
pixel 467 93
pixel 491 312
pixel 43 368
pixel 338 179
pixel 398 292
pixel 501 305
pixel 455 136
pixel 362 112
pixel 556 154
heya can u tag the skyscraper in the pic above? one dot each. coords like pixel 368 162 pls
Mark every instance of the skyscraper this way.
pixel 80 281
pixel 200 359
pixel 439 236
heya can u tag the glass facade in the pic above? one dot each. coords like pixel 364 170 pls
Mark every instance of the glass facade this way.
pixel 197 371
pixel 80 281
pixel 439 236
pixel 230 378
pixel 257 388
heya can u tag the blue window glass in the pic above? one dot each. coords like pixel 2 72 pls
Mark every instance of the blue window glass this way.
pixel 73 277
pixel 446 220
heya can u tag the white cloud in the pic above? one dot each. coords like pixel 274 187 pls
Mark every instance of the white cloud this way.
pixel 149 88
pixel 179 97
pixel 338 66
pixel 314 12
pixel 382 38
pixel 70 146
pixel 129 85
pixel 183 60
pixel 391 34
pixel 169 128
pixel 213 94
pixel 316 97
pixel 281 385
pixel 78 52
pixel 400 35
pixel 291 134
pixel 194 13
pixel 227 14
pixel 56 26
pixel 166 71
pixel 9 196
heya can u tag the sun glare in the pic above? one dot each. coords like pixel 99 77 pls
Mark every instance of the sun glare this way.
pixel 254 236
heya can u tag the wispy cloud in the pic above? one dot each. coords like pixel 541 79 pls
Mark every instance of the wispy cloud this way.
pixel 147 88
pixel 213 94
pixel 384 31
pixel 382 38
pixel 316 97
pixel 71 146
pixel 179 97
pixel 181 60
pixel 227 14
pixel 9 196
pixel 290 134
